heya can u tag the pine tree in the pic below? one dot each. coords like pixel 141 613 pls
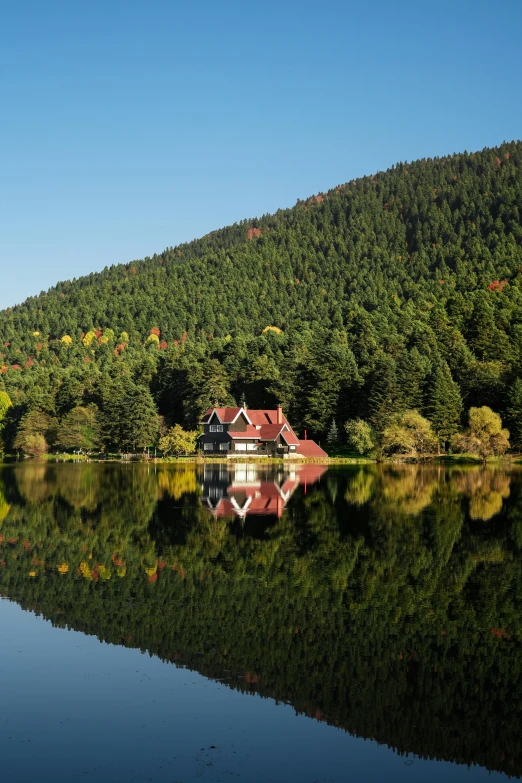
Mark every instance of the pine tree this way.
pixel 386 398
pixel 330 376
pixel 413 369
pixel 333 434
pixel 445 405
pixel 130 419
pixel 514 411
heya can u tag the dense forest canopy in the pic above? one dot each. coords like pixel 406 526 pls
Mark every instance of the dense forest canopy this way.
pixel 384 601
pixel 351 303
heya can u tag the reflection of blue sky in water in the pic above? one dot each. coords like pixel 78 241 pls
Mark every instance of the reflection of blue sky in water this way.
pixel 74 709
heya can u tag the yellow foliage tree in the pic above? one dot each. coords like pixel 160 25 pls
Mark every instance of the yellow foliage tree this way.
pixel 88 338
pixel 485 435
pixel 178 441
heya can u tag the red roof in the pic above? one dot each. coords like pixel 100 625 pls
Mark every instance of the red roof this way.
pixel 250 432
pixel 256 416
pixel 226 415
pixel 263 416
pixel 309 448
pixel 290 437
pixel 270 431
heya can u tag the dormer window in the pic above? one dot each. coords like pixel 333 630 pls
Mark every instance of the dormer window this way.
pixel 216 428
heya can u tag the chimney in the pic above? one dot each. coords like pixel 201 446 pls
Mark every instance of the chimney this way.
pixel 279 414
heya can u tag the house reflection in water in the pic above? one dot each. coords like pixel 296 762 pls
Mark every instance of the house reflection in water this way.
pixel 250 489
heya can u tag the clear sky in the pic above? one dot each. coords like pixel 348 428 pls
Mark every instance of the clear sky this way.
pixel 127 127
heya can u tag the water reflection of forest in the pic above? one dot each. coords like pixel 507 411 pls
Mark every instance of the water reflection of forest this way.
pixel 385 601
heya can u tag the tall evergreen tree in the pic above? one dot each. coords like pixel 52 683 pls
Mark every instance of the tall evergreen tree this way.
pixel 514 411
pixel 330 375
pixel 129 417
pixel 413 370
pixel 445 404
pixel 333 434
pixel 386 397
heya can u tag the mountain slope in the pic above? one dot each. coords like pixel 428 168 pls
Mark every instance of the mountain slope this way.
pixel 425 258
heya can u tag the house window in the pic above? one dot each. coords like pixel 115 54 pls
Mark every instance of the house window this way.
pixel 292 448
pixel 251 446
pixel 223 446
pixel 216 428
pixel 208 446
pixel 240 446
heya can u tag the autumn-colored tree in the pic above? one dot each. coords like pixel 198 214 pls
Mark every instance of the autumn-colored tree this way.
pixel 485 436
pixel 360 436
pixel 88 338
pixel 409 433
pixel 36 432
pixel 178 441
pixel 5 404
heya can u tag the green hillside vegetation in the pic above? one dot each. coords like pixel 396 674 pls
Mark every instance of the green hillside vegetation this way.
pixel 394 292
pixel 386 602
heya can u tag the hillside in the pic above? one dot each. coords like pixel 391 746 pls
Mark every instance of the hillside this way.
pixel 372 288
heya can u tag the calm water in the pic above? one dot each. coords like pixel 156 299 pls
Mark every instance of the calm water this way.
pixel 174 624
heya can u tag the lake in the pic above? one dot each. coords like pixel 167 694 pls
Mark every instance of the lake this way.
pixel 177 623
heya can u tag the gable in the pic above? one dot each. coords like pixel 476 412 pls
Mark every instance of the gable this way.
pixel 243 418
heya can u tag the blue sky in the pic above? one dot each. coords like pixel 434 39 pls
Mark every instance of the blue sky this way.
pixel 126 127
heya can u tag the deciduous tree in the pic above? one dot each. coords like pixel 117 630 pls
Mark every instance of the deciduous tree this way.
pixel 361 436
pixel 409 433
pixel 80 429
pixel 178 441
pixel 485 435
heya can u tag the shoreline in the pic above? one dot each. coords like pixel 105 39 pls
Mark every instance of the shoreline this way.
pixel 446 460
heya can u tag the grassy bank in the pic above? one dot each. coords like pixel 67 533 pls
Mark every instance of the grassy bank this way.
pixel 342 457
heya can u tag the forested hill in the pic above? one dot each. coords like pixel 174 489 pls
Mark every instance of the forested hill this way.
pixel 375 243
pixel 399 275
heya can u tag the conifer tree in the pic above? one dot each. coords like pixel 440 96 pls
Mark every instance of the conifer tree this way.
pixel 329 378
pixel 445 405
pixel 386 398
pixel 333 434
pixel 130 419
pixel 412 369
pixel 514 411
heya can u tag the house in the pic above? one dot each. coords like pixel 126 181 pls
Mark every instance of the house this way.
pixel 247 432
